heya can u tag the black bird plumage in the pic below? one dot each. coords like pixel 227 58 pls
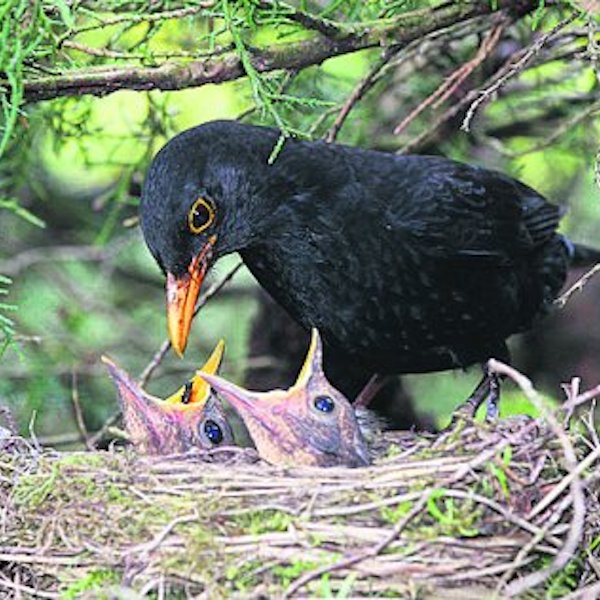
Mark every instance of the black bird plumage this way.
pixel 406 264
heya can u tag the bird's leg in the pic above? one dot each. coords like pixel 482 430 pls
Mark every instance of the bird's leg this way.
pixel 493 398
pixel 471 405
pixel 366 395
pixel 488 389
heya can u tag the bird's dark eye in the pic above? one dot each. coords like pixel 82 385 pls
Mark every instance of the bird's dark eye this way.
pixel 201 215
pixel 324 404
pixel 213 431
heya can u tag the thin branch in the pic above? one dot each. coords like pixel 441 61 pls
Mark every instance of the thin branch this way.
pixel 455 79
pixel 146 17
pixel 363 86
pixel 324 26
pixel 504 73
pixel 370 553
pixel 589 592
pixel 173 75
pixel 78 413
pixel 28 258
pixel 515 68
pixel 108 424
pixel 577 286
pixel 117 55
pixel 577 400
pixel 421 47
pixel 567 126
pixel 575 531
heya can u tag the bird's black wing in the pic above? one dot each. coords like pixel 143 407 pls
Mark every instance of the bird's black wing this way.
pixel 462 213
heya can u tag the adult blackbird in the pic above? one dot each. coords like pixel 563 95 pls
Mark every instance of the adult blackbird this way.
pixel 190 418
pixel 311 423
pixel 406 264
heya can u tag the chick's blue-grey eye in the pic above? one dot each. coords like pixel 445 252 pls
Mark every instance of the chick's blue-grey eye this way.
pixel 324 404
pixel 213 431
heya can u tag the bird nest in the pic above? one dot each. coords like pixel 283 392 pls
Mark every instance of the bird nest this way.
pixel 511 508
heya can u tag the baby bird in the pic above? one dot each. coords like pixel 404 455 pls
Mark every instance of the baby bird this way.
pixel 311 423
pixel 190 418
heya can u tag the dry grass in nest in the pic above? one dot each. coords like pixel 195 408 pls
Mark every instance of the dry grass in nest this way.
pixel 509 509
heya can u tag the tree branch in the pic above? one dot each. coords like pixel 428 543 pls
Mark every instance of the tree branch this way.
pixel 174 75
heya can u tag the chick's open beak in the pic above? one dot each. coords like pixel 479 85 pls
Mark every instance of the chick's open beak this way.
pixel 182 294
pixel 197 390
pixel 240 399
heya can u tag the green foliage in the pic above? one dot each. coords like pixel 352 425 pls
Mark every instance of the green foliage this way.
pixel 7 326
pixel 24 31
pixel 12 204
pixel 563 582
pixel 289 572
pixel 344 591
pixel 392 514
pixel 94 580
pixel 260 521
pixel 452 518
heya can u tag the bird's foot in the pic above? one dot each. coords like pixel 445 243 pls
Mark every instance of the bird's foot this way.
pixel 471 405
pixel 487 390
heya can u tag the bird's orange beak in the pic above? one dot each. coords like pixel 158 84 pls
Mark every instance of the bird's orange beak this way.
pixel 182 294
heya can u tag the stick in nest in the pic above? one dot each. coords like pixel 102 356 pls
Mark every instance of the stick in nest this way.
pixel 575 533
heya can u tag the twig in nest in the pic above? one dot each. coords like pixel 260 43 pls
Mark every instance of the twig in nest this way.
pixel 560 487
pixel 577 286
pixel 589 592
pixel 110 422
pixel 515 68
pixel 451 83
pixel 372 552
pixel 167 529
pixel 576 487
pixel 34 441
pixel 77 412
pixel 18 588
pixel 8 419
pixel 576 399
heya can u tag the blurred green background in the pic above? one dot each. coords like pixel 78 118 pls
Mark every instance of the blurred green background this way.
pixel 83 283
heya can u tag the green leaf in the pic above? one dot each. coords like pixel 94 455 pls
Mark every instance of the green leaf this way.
pixel 65 12
pixel 346 588
pixel 538 14
pixel 433 508
pixel 12 205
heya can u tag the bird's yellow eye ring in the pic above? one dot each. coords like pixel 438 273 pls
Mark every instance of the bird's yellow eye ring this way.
pixel 201 215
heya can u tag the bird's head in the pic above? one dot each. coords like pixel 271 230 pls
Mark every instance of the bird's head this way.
pixel 190 418
pixel 311 423
pixel 203 197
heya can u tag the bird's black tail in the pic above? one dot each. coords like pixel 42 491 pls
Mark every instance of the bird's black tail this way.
pixel 580 255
